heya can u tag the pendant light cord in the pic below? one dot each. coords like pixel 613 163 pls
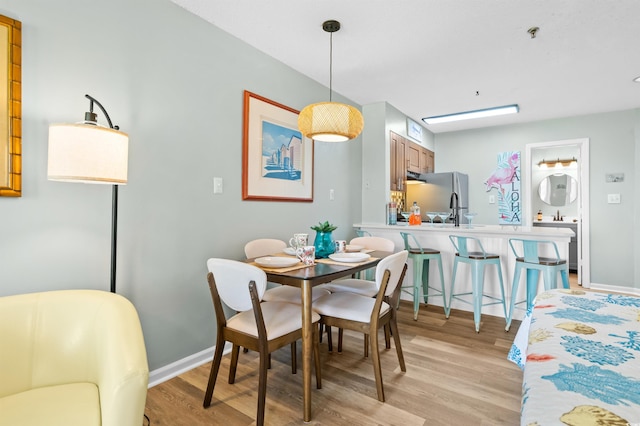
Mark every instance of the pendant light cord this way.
pixel 330 65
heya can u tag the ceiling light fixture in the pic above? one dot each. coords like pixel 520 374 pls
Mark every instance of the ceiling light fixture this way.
pixel 467 115
pixel 636 80
pixel 330 121
pixel 558 164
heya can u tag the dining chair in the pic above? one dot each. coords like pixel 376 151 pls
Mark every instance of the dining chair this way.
pixel 365 285
pixel 278 293
pixel 367 315
pixel 421 257
pixel 469 250
pixel 528 257
pixel 258 325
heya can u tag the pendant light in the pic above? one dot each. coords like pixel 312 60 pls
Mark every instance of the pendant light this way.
pixel 330 121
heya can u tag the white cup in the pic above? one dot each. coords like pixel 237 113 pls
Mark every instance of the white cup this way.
pixel 299 240
pixel 306 254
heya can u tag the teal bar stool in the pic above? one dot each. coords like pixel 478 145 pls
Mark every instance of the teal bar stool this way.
pixel 470 250
pixel 421 258
pixel 527 253
pixel 362 233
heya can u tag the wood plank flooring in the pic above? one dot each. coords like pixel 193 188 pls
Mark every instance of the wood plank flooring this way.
pixel 454 377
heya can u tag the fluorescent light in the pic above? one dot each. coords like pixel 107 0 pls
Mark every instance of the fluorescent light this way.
pixel 479 113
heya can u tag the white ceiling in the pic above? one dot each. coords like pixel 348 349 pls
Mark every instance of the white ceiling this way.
pixel 429 57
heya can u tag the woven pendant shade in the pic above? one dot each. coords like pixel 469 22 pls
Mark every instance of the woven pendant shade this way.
pixel 330 122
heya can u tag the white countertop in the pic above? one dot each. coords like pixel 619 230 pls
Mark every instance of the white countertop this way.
pixel 479 230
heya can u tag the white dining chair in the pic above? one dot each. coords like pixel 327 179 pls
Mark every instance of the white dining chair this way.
pixel 366 314
pixel 278 293
pixel 258 325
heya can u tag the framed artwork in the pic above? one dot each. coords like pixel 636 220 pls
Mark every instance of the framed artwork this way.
pixel 414 130
pixel 10 108
pixel 277 161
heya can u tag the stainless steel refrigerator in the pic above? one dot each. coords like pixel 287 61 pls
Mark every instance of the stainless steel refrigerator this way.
pixel 432 192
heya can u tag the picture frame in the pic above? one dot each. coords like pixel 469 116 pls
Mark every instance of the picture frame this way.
pixel 277 161
pixel 414 130
pixel 10 107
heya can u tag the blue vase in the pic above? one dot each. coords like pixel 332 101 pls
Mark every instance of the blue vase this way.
pixel 324 244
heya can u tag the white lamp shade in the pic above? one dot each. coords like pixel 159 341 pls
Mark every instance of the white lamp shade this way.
pixel 330 122
pixel 87 153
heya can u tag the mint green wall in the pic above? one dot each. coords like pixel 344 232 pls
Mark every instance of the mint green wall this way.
pixel 175 84
pixel 613 147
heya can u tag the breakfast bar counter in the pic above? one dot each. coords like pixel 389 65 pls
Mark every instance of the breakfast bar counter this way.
pixel 494 238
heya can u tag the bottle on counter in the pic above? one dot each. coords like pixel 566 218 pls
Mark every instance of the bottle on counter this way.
pixel 392 214
pixel 415 218
pixel 539 215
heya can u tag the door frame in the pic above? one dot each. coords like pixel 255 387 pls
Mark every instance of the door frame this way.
pixel 584 249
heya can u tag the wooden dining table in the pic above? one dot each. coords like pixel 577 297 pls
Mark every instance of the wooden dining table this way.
pixel 305 278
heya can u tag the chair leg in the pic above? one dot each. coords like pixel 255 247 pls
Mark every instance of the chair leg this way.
pixel 425 280
pixel 213 374
pixel 375 359
pixel 387 337
pixel 294 358
pixel 235 351
pixel 262 388
pixel 453 280
pixel 396 339
pixel 564 273
pixel 514 295
pixel 417 278
pixel 340 332
pixel 532 286
pixel 447 309
pixel 478 289
pixel 329 338
pixel 366 346
pixel 316 357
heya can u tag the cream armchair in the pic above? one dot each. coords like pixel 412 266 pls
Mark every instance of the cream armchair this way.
pixel 71 357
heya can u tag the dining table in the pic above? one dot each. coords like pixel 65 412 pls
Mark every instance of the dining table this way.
pixel 306 277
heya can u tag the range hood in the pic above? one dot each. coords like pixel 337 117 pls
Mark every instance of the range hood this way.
pixel 415 177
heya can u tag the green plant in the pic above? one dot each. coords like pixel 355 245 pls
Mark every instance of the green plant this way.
pixel 324 227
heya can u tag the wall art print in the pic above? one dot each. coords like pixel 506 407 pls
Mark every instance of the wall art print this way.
pixel 277 161
pixel 506 181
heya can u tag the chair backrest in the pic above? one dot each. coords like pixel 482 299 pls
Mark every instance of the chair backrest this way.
pixel 232 282
pixel 394 263
pixel 411 245
pixel 263 247
pixel 531 249
pixel 468 246
pixel 362 233
pixel 374 243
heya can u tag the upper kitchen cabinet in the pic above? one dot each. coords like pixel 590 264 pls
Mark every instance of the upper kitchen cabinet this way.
pixel 407 156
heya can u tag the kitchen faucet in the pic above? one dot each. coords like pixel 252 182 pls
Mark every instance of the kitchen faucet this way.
pixel 454 204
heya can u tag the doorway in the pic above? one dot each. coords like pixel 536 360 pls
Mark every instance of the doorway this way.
pixel 534 150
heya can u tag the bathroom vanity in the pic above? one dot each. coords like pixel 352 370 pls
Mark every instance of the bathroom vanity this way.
pixel 573 244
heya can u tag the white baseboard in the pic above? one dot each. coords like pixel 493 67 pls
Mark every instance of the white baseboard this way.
pixel 614 289
pixel 183 365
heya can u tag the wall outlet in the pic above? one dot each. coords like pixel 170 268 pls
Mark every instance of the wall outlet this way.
pixel 613 198
pixel 332 195
pixel 217 185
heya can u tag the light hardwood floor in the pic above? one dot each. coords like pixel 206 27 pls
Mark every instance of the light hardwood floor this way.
pixel 454 377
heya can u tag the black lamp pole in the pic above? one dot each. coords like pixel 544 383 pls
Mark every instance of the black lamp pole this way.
pixel 91 118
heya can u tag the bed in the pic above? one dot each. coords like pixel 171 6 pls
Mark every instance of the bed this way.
pixel 580 355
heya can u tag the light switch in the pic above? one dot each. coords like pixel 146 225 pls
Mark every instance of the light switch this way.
pixel 492 199
pixel 613 198
pixel 217 185
pixel 332 195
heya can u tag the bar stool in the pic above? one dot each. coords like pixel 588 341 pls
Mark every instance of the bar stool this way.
pixel 528 258
pixel 477 260
pixel 421 257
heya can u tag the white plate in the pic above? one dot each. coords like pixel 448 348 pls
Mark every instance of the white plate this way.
pixel 349 257
pixel 276 262
pixel 290 251
pixel 353 248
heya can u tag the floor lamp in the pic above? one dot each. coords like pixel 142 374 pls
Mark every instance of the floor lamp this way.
pixel 86 152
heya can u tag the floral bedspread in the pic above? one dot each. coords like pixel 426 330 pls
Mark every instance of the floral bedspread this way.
pixel 580 352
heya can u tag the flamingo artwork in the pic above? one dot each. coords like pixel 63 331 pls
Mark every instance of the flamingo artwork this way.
pixel 506 180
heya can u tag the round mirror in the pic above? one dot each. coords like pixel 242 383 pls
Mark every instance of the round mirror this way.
pixel 558 190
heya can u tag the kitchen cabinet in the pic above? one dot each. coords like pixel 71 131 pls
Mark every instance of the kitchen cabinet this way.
pixel 573 244
pixel 407 155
